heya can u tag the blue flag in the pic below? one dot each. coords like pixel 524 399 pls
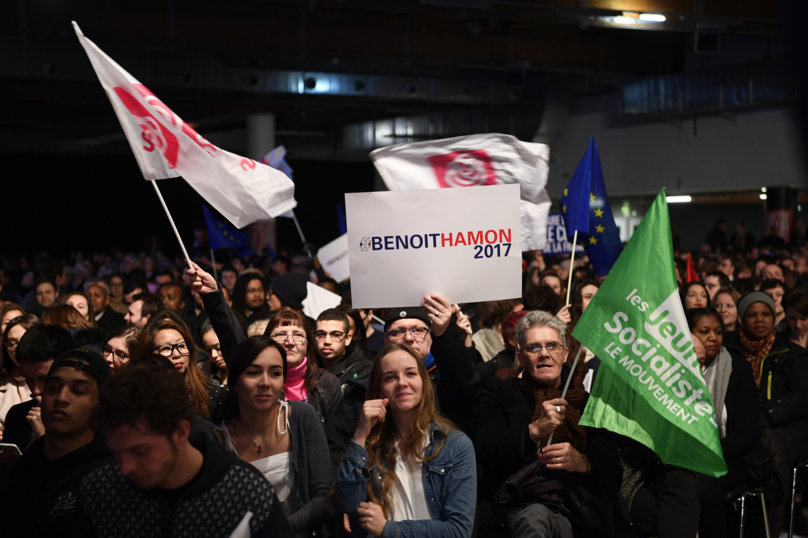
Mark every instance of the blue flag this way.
pixel 343 224
pixel 586 208
pixel 222 235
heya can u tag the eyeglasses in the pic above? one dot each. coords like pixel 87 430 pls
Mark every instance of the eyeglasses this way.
pixel 118 354
pixel 417 333
pixel 166 350
pixel 297 338
pixel 336 336
pixel 552 347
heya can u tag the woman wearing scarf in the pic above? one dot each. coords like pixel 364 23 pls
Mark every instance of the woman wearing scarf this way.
pixel 780 368
pixel 731 384
pixel 561 488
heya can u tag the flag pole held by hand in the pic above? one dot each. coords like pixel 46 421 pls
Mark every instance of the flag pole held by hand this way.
pixel 173 226
pixel 572 266
pixel 569 377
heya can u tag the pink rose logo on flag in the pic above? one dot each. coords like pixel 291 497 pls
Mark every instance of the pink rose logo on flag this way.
pixel 463 169
pixel 154 134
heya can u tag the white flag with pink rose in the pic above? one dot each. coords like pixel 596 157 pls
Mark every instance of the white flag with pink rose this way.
pixel 473 161
pixel 165 146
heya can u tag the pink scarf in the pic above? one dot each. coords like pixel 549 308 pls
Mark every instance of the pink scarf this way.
pixel 293 386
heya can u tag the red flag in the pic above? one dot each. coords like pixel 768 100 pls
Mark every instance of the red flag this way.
pixel 692 275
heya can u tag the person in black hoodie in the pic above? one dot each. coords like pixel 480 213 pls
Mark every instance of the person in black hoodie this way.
pixel 166 481
pixel 334 350
pixel 39 491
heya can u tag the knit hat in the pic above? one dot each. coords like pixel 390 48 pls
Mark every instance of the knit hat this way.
pixel 83 359
pixel 748 299
pixel 415 312
pixel 290 289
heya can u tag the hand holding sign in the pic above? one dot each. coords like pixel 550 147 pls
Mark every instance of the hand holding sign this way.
pixel 440 312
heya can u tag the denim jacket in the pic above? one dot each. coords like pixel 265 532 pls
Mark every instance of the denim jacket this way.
pixel 449 481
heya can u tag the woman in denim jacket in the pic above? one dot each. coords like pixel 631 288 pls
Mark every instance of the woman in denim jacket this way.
pixel 410 474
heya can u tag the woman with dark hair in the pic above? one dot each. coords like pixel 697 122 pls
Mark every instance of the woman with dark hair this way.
pixel 120 346
pixel 250 297
pixel 488 339
pixel 13 388
pixel 8 312
pixel 282 439
pixel 796 307
pixel 725 301
pixel 408 472
pixel 731 385
pixel 694 295
pixel 79 301
pixel 65 316
pixel 582 293
pixel 305 381
pixel 166 334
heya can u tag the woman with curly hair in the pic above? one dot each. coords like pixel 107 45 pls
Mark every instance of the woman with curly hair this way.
pixel 408 472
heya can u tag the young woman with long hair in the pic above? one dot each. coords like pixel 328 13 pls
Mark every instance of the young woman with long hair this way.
pixel 408 472
pixel 282 439
pixel 166 334
pixel 725 301
pixel 120 346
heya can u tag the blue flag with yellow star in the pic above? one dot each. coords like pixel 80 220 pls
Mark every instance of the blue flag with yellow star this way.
pixel 221 235
pixel 586 208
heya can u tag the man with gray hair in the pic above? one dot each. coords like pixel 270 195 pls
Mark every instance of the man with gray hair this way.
pixel 517 417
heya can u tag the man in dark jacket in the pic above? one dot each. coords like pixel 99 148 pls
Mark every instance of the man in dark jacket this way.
pixel 165 481
pixel 39 491
pixel 334 347
pixel 106 318
pixel 517 417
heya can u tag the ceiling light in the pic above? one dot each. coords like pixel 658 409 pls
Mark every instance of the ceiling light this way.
pixel 652 17
pixel 623 20
pixel 763 196
pixel 763 189
pixel 678 199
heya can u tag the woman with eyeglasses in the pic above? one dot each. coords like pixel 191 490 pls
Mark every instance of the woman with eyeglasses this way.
pixel 282 439
pixel 120 345
pixel 166 334
pixel 13 388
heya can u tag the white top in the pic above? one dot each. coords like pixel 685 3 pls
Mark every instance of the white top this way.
pixel 408 496
pixel 278 470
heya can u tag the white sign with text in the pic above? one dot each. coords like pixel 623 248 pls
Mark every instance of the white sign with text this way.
pixel 464 244
pixel 334 258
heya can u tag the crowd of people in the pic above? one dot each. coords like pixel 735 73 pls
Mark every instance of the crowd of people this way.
pixel 137 398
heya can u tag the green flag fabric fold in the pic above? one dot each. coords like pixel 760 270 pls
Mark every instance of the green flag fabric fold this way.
pixel 650 387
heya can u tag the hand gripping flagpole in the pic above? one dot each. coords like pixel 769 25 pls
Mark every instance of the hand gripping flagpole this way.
pixel 567 384
pixel 173 226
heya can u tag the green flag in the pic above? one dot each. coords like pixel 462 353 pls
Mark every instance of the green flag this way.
pixel 650 387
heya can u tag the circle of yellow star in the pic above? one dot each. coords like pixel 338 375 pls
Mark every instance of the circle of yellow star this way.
pixel 598 212
pixel 593 241
pixel 591 196
pixel 599 229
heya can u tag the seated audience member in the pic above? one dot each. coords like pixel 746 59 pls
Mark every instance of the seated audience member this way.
pixel 731 385
pixel 553 280
pixel 116 294
pixel 46 294
pixel 488 339
pixel 773 271
pixel 229 277
pixel 132 288
pixel 143 306
pixel 694 295
pixel 249 297
pixel 106 318
pixel 167 481
pixel 282 439
pixel 167 335
pixel 776 290
pixel 13 389
pixel 79 301
pixel 288 291
pixel 725 301
pixel 713 281
pixel 505 359
pixel 582 293
pixel 171 294
pixel 408 471
pixel 727 265
pixel 335 351
pixel 8 312
pixel 38 348
pixel 796 307
pixel 39 491
pixel 120 346
pixel 215 368
pixel 516 419
pixel 65 316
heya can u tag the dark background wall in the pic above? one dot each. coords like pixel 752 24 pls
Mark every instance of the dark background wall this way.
pixel 692 222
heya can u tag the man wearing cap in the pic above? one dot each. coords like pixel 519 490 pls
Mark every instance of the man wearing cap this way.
pixel 39 491
pixel 289 290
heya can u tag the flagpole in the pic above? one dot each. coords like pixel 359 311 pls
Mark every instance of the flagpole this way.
pixel 572 266
pixel 567 384
pixel 300 231
pixel 173 226
pixel 213 262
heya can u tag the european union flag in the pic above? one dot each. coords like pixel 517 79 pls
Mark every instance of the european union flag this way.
pixel 221 235
pixel 586 208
